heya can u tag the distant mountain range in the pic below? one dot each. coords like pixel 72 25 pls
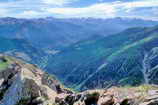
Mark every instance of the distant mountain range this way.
pixel 55 33
pixel 86 53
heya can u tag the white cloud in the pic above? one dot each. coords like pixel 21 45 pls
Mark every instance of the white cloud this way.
pixel 140 4
pixel 58 2
pixel 29 14
pixel 103 10
pixel 35 3
pixel 43 8
pixel 3 12
pixel 29 8
pixel 97 10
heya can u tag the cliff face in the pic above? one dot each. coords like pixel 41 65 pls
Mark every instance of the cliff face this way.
pixel 25 84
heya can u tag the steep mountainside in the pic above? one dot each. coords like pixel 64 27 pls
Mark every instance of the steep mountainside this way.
pixel 25 84
pixel 127 58
pixel 52 33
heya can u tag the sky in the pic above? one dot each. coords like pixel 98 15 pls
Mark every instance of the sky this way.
pixel 145 9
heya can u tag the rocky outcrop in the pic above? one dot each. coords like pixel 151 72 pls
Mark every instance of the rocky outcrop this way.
pixel 142 95
pixel 25 84
pixel 21 82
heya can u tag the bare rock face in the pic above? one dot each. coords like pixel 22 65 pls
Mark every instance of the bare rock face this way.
pixel 25 84
pixel 141 95
pixel 106 99
pixel 22 83
pixel 151 99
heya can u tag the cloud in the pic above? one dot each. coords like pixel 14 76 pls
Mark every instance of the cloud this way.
pixel 63 9
pixel 58 2
pixel 104 10
pixel 29 8
pixel 140 4
pixel 97 10
pixel 31 3
pixel 29 14
pixel 3 11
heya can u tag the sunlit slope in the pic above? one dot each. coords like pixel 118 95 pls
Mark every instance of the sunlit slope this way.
pixel 117 59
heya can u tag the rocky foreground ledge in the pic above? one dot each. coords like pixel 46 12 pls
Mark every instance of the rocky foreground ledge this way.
pixel 25 84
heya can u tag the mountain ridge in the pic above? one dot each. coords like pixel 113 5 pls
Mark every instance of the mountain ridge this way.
pixel 62 32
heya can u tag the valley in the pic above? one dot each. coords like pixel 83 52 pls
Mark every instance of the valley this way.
pixel 116 59
pixel 78 52
pixel 103 59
